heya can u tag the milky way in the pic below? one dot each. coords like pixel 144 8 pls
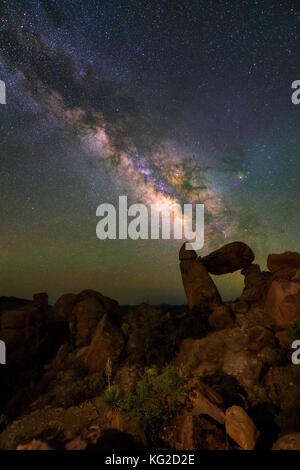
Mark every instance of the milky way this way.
pixel 162 102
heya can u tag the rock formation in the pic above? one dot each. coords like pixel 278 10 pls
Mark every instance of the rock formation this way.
pixel 228 258
pixel 199 287
pixel 89 367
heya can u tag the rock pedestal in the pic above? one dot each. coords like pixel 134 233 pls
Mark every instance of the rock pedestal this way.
pixel 199 288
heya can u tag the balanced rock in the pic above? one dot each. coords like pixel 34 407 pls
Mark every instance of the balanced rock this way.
pixel 199 288
pixel 288 259
pixel 228 258
pixel 240 427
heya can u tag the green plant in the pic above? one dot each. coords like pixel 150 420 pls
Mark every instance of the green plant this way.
pixel 156 399
pixel 112 398
pixel 152 340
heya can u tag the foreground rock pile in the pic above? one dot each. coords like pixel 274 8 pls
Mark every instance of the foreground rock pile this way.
pixel 232 362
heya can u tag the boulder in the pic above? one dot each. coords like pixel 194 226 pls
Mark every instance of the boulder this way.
pixel 107 342
pixel 83 312
pixel 288 259
pixel 233 351
pixel 220 318
pixel 110 305
pixel 288 442
pixel 64 306
pixel 35 444
pixel 86 314
pixel 228 258
pixel 199 288
pixel 240 427
pixel 283 301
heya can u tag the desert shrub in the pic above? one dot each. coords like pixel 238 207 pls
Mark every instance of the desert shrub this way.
pixel 112 398
pixel 195 324
pixel 155 400
pixel 151 339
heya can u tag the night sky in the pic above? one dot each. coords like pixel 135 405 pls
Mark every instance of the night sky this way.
pixel 186 101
